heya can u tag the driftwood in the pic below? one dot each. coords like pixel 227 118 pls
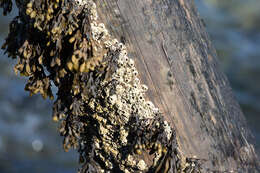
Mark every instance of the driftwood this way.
pixel 176 59
pixel 100 100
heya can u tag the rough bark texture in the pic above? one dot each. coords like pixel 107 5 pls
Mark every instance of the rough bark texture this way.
pixel 176 59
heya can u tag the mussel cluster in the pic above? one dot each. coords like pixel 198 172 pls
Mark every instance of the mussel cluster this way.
pixel 100 100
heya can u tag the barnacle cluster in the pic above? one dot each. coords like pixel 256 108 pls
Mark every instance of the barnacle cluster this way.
pixel 100 101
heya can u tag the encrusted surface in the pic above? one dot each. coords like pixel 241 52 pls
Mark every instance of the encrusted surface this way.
pixel 100 101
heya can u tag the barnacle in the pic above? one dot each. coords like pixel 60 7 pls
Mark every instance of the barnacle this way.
pixel 100 101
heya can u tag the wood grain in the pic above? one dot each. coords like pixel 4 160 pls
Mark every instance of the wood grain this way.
pixel 199 103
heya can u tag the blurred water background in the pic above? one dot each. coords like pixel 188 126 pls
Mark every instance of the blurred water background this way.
pixel 29 140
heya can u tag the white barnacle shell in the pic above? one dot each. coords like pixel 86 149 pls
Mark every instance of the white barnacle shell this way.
pixel 120 62
pixel 157 157
pixel 121 46
pixel 167 129
pixel 135 85
pixel 123 51
pixel 135 72
pixel 132 99
pixel 141 98
pixel 127 79
pixel 107 43
pixel 136 81
pixel 119 105
pixel 96 31
pixel 112 47
pixel 93 11
pixel 141 165
pixel 101 25
pixel 120 79
pixel 156 110
pixel 79 2
pixel 126 171
pixel 150 104
pixel 130 160
pixel 120 71
pixel 121 55
pixel 131 62
pixel 144 88
pixel 114 41
pixel 135 91
pixel 128 75
pixel 123 136
pixel 103 130
pixel 96 144
pixel 119 89
pixel 125 58
pixel 112 99
pixel 103 30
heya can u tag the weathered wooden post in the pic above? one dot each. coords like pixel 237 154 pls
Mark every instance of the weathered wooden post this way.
pixel 188 119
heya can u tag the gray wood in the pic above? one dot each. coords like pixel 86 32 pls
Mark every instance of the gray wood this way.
pixel 176 59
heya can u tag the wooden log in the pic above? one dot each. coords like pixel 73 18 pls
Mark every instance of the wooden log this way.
pixel 100 99
pixel 176 59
